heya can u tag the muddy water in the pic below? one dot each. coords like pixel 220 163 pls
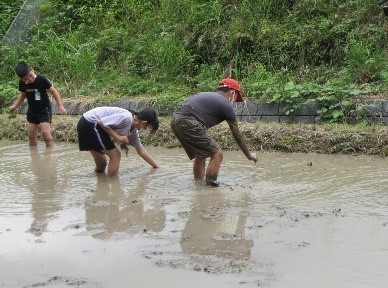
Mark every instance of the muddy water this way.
pixel 292 220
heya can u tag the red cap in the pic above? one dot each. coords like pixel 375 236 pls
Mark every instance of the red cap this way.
pixel 232 84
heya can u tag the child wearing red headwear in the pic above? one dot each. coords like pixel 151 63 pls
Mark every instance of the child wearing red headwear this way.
pixel 191 121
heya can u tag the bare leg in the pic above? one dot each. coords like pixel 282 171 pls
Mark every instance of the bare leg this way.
pixel 199 168
pixel 32 134
pixel 45 129
pixel 213 168
pixel 100 160
pixel 114 161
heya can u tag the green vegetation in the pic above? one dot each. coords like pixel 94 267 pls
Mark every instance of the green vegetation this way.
pixel 333 53
pixel 8 11
pixel 326 138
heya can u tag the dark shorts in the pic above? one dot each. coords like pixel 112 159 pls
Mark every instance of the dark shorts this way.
pixel 193 136
pixel 92 137
pixel 44 115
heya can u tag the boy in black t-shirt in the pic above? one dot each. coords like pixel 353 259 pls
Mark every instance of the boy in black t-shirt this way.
pixel 34 87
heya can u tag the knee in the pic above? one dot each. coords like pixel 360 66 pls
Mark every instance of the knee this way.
pixel 47 135
pixel 114 159
pixel 219 155
pixel 32 139
pixel 100 165
pixel 200 161
pixel 100 162
pixel 32 135
pixel 115 156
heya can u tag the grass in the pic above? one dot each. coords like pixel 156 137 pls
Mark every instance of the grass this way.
pixel 324 139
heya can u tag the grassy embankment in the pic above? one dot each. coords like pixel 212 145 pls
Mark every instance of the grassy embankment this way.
pixel 325 51
pixel 332 53
pixel 327 138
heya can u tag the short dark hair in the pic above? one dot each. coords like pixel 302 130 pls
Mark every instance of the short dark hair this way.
pixel 22 69
pixel 223 89
pixel 149 115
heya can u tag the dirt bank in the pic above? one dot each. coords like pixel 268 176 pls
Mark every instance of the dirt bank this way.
pixel 327 139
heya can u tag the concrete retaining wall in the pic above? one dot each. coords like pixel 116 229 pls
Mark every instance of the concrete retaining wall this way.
pixel 251 111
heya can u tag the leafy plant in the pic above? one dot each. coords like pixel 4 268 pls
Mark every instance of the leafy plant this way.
pixel 339 105
pixel 7 96
pixel 290 51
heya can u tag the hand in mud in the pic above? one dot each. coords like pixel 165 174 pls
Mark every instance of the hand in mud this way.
pixel 124 146
pixel 123 139
pixel 254 157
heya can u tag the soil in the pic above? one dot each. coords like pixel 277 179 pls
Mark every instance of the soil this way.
pixel 288 221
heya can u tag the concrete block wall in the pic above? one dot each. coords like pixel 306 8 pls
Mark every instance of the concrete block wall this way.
pixel 375 111
pixel 251 111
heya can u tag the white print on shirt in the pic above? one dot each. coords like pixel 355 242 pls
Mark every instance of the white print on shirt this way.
pixel 37 95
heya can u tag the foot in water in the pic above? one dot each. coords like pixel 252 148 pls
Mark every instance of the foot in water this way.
pixel 212 181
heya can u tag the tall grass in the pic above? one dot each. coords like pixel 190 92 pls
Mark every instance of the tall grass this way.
pixel 364 64
pixel 64 58
pixel 128 47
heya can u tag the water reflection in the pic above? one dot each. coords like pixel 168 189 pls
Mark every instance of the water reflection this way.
pixel 282 223
pixel 43 187
pixel 216 227
pixel 116 211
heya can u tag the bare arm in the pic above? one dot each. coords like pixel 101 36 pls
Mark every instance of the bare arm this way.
pixel 112 133
pixel 143 153
pixel 241 142
pixel 18 101
pixel 54 92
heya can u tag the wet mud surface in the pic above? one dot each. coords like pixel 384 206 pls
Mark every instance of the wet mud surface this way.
pixel 292 220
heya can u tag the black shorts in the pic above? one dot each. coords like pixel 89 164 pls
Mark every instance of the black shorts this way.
pixel 44 115
pixel 92 137
pixel 193 136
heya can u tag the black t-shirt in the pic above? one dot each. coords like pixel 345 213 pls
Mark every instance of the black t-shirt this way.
pixel 211 108
pixel 36 93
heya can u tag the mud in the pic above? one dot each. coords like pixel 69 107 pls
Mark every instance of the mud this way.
pixel 292 220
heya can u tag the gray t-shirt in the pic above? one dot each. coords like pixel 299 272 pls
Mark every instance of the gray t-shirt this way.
pixel 211 108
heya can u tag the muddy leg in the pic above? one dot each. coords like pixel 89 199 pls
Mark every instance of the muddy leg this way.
pixel 100 160
pixel 213 168
pixel 199 168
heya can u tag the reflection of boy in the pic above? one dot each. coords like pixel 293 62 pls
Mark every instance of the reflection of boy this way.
pixel 44 190
pixel 34 87
pixel 210 231
pixel 110 211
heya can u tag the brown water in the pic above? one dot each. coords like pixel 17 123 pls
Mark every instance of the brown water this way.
pixel 292 220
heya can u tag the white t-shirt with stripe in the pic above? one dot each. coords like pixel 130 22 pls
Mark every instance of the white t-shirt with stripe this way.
pixel 118 119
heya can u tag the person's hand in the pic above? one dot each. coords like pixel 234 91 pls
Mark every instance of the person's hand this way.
pixel 62 110
pixel 124 147
pixel 123 139
pixel 11 113
pixel 12 108
pixel 254 157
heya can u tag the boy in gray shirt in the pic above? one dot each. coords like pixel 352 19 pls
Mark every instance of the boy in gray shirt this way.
pixel 191 121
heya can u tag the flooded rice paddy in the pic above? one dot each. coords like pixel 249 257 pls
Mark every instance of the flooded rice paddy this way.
pixel 291 220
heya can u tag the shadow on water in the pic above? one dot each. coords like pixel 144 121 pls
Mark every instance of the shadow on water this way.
pixel 289 221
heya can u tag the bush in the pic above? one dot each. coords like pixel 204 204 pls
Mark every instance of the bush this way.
pixel 149 47
pixel 8 93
